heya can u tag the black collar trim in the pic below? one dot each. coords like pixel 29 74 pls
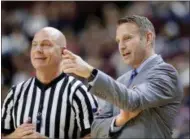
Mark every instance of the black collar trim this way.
pixel 53 82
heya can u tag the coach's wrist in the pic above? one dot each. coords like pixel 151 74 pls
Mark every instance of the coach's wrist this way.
pixel 89 71
pixel 93 75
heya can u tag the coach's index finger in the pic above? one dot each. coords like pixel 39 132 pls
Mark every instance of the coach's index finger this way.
pixel 69 54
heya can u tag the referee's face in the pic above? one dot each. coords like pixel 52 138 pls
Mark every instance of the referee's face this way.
pixel 45 52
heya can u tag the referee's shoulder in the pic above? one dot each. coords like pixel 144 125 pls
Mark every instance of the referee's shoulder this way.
pixel 24 83
pixel 76 83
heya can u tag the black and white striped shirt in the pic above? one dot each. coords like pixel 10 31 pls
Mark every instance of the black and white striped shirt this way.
pixel 60 109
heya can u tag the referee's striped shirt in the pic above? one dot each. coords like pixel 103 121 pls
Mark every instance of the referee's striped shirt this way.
pixel 61 109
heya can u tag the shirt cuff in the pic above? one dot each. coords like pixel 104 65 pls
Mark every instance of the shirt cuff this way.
pixel 113 128
pixel 93 81
pixel 6 131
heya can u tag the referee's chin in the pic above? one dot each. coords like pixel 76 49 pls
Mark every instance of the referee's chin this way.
pixel 41 66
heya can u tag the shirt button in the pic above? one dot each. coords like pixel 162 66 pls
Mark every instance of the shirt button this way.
pixel 38 121
pixel 39 114
pixel 41 106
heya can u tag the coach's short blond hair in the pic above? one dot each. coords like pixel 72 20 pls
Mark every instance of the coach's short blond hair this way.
pixel 142 22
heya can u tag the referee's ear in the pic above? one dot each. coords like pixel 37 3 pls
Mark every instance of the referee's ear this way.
pixel 62 50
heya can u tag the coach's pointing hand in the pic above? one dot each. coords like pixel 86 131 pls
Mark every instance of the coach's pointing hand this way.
pixel 72 63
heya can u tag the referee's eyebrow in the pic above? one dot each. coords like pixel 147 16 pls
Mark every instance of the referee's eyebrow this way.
pixel 34 43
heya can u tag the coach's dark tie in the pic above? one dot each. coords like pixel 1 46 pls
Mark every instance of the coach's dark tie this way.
pixel 133 74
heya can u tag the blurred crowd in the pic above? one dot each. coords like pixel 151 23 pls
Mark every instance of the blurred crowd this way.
pixel 90 28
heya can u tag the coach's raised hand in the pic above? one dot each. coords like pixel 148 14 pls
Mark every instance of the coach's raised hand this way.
pixel 72 63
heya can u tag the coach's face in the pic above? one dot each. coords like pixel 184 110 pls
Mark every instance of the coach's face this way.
pixel 131 44
pixel 45 52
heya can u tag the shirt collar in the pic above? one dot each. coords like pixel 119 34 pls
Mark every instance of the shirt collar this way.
pixel 144 63
pixel 53 82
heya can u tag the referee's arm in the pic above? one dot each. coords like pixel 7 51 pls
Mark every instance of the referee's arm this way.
pixel 84 104
pixel 7 119
pixel 7 125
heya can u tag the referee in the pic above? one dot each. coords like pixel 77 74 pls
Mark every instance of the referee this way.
pixel 52 104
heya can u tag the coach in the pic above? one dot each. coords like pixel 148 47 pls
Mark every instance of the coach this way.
pixel 151 88
pixel 52 104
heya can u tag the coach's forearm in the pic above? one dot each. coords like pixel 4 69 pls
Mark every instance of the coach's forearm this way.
pixel 112 91
pixel 158 91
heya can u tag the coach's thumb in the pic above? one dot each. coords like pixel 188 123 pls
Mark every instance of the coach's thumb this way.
pixel 67 52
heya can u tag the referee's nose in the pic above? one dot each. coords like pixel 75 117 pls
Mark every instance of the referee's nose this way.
pixel 39 48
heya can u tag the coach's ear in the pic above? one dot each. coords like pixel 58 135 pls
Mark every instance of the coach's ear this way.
pixel 149 38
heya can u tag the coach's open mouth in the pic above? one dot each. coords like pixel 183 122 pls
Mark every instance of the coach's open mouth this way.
pixel 126 54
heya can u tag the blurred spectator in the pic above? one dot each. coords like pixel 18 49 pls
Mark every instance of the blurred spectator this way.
pixel 20 62
pixel 72 40
pixel 111 14
pixel 139 8
pixel 36 19
pixel 91 36
pixel 68 13
pixel 18 42
pixel 182 10
pixel 53 14
pixel 181 129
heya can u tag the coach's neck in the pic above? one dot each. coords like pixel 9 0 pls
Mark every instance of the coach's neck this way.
pixel 148 54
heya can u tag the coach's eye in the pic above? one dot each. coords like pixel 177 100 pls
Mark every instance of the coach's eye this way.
pixel 127 38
